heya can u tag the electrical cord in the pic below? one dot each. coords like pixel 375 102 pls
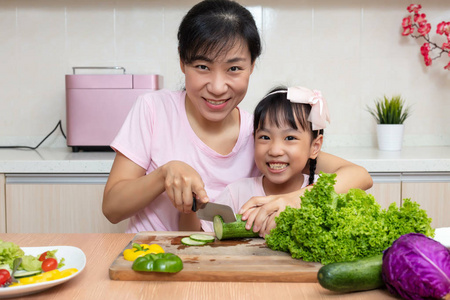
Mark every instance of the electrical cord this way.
pixel 34 148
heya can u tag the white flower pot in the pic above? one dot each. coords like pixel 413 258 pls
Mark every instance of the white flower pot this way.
pixel 390 137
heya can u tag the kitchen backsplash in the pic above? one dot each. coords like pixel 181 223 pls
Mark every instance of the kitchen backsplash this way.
pixel 351 50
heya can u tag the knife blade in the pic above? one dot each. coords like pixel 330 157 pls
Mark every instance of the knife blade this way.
pixel 210 210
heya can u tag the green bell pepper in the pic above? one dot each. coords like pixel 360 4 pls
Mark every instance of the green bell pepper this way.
pixel 160 262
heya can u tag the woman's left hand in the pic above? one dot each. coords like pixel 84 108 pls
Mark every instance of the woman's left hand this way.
pixel 261 211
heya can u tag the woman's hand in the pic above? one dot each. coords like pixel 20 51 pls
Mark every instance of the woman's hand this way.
pixel 261 211
pixel 181 182
pixel 129 190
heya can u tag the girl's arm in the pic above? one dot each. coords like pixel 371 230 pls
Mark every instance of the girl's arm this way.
pixel 348 175
pixel 128 189
pixel 261 211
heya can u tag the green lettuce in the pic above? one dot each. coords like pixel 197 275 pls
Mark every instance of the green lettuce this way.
pixel 331 227
pixel 32 263
pixel 8 252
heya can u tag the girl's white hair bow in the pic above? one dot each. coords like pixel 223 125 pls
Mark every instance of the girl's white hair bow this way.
pixel 319 114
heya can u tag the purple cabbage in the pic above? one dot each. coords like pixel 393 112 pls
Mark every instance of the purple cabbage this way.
pixel 417 267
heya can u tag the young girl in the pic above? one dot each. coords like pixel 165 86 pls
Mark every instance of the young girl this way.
pixel 288 131
pixel 174 145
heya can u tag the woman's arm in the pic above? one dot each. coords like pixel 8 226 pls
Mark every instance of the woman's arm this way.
pixel 129 190
pixel 126 191
pixel 261 211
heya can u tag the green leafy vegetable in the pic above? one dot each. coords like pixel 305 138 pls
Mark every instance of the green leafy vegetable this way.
pixel 331 227
pixel 8 252
pixel 31 263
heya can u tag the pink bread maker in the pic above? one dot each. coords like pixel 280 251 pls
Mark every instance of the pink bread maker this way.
pixel 97 105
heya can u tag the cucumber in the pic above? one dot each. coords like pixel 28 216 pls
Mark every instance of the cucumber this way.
pixel 190 242
pixel 232 230
pixel 202 237
pixel 20 274
pixel 359 275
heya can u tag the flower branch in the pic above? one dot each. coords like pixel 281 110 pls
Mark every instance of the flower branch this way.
pixel 417 21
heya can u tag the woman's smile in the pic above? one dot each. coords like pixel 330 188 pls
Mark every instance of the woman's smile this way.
pixel 216 104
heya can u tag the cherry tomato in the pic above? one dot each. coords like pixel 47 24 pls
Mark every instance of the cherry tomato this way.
pixel 49 264
pixel 4 276
pixel 43 256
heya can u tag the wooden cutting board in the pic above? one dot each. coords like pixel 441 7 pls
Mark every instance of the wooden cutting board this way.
pixel 228 260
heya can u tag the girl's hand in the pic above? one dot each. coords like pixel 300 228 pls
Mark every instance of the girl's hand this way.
pixel 181 182
pixel 261 211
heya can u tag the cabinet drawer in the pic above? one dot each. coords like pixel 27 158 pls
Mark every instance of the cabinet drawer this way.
pixel 57 204
pixel 386 188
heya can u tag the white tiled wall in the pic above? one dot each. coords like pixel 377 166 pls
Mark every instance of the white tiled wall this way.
pixel 352 50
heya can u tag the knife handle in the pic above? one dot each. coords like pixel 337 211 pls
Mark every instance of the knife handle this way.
pixel 194 204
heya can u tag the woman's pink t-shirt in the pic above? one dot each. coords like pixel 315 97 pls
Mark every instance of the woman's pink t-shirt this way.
pixel 157 131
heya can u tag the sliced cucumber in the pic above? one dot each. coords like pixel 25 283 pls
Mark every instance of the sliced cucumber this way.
pixel 26 273
pixel 202 237
pixel 232 230
pixel 190 242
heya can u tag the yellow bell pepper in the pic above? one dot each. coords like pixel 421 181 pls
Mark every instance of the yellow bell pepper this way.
pixel 46 276
pixel 141 250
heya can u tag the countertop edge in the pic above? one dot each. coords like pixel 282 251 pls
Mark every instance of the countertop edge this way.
pixel 63 160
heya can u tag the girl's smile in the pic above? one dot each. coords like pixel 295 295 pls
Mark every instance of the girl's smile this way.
pixel 277 167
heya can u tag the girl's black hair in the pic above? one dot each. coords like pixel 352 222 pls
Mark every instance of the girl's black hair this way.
pixel 276 108
pixel 215 26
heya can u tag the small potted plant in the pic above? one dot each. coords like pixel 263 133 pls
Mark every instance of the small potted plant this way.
pixel 390 115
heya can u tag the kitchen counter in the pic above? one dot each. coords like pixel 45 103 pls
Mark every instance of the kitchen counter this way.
pixel 102 249
pixel 63 160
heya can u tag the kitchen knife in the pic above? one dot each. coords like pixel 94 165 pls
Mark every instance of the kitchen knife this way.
pixel 210 210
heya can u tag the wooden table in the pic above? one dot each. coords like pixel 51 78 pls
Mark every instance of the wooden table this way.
pixel 102 249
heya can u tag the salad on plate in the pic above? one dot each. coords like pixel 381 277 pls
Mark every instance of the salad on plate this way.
pixel 31 269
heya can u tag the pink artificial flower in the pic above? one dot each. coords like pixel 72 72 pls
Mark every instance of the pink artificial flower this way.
pixel 425 49
pixel 407 30
pixel 443 28
pixel 418 18
pixel 406 22
pixel 424 28
pixel 446 46
pixel 427 60
pixel 447 67
pixel 414 8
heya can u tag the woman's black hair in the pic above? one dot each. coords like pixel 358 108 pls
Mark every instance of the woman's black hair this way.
pixel 215 26
pixel 276 108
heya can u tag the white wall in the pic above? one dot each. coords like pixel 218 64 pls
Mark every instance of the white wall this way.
pixel 352 50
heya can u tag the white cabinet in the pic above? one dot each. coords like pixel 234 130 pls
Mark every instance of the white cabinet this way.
pixel 386 188
pixel 430 190
pixel 57 203
pixel 71 203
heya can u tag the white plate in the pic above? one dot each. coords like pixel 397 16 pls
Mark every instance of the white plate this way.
pixel 73 258
pixel 442 235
